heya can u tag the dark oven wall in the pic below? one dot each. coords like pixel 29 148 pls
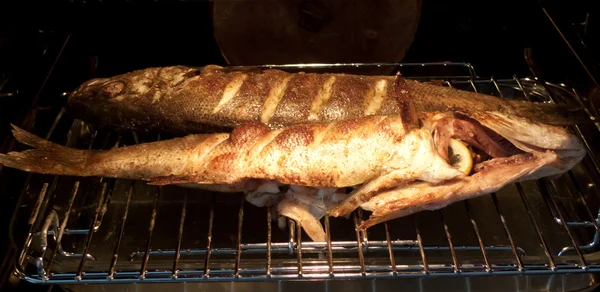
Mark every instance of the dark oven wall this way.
pixel 47 49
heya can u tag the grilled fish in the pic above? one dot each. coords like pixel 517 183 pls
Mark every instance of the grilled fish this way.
pixel 186 100
pixel 395 164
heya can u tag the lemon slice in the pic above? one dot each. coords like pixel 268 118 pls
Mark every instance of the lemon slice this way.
pixel 460 156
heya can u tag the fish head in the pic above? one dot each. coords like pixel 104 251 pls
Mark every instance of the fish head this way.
pixel 505 149
pixel 501 141
pixel 101 98
pixel 535 138
pixel 132 85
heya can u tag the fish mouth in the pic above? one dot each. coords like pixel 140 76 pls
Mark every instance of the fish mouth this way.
pixel 482 146
pixel 94 88
pixel 95 84
pixel 497 140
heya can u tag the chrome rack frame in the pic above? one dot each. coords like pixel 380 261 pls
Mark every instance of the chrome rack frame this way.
pixel 69 242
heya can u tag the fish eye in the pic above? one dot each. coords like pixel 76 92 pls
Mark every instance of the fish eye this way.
pixel 114 88
pixel 192 73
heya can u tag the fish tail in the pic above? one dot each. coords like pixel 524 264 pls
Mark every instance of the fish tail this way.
pixel 29 139
pixel 46 157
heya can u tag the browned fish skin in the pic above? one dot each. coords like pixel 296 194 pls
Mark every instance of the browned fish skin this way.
pixel 335 155
pixel 183 100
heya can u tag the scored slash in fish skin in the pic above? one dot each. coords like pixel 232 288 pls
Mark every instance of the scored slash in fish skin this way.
pixel 231 90
pixel 376 100
pixel 320 99
pixel 329 156
pixel 273 99
pixel 185 100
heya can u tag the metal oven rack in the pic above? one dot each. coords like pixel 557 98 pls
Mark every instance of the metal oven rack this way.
pixel 100 230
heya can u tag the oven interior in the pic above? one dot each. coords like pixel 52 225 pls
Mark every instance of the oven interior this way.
pixel 66 231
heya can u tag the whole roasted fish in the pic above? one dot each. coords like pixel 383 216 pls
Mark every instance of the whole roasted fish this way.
pixel 397 164
pixel 187 100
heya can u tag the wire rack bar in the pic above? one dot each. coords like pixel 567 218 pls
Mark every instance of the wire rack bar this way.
pixel 593 223
pixel 238 253
pixel 269 238
pixel 291 235
pixel 113 263
pixel 472 83
pixel 209 237
pixel 469 67
pixel 340 247
pixel 42 198
pixel 180 236
pixel 590 246
pixel 421 250
pixel 479 239
pixel 63 224
pixel 159 277
pixel 329 251
pixel 546 193
pixel 364 235
pixel 450 245
pixel 507 232
pixel 359 244
pixel 299 249
pixel 143 270
pixel 593 219
pixel 391 252
pixel 493 79
pixel 536 227
pixel 89 239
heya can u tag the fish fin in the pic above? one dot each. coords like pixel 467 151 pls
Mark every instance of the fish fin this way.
pixel 47 157
pixel 418 198
pixel 376 219
pixel 365 193
pixel 408 113
pixel 30 139
pixel 300 213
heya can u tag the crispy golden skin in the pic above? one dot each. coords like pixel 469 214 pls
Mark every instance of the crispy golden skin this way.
pixel 185 100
